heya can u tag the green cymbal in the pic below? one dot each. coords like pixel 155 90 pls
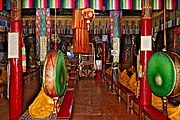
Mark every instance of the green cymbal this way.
pixel 161 74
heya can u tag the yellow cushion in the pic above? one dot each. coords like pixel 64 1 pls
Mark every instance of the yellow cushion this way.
pixel 132 80
pixel 3 75
pixel 124 78
pixel 42 106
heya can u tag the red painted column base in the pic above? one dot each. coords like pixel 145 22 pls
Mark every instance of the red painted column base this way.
pixel 98 74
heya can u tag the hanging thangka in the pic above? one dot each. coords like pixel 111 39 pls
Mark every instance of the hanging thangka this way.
pixel 111 27
pixel 81 35
pixel 48 27
pixel 37 33
pixel 43 37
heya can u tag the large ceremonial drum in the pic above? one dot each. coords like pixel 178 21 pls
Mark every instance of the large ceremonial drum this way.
pixel 54 74
pixel 163 73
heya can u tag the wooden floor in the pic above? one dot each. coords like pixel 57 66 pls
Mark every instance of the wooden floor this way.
pixel 93 101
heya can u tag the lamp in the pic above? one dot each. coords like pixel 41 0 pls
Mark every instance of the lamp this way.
pixel 88 14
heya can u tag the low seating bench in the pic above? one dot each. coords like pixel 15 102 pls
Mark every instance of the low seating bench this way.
pixel 123 92
pixel 66 106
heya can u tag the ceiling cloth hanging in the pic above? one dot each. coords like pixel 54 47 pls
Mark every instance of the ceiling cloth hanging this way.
pixel 96 4
pixel 27 3
pixel 81 35
pixel 157 4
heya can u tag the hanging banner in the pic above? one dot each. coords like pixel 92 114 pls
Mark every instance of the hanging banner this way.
pixel 112 5
pixel 67 4
pixel 48 23
pixel 1 5
pixel 27 3
pixel 137 5
pixel 37 33
pixel 116 24
pixel 82 4
pixel 170 4
pixel 40 3
pixel 96 4
pixel 116 47
pixel 111 27
pixel 8 4
pixel 37 3
pixel 178 5
pixel 54 4
pixel 43 22
pixel 127 4
pixel 157 4
pixel 43 48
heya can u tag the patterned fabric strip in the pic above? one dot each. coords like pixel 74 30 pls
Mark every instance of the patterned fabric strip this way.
pixel 137 5
pixel 116 24
pixel 112 4
pixel 43 22
pixel 96 4
pixel 111 27
pixel 67 4
pixel 48 23
pixel 27 3
pixel 38 34
pixel 170 4
pixel 82 3
pixel 127 4
pixel 54 4
pixel 157 4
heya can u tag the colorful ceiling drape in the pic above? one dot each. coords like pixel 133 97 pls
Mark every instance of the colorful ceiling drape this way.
pixel 40 3
pixel 67 4
pixel 27 3
pixel 137 5
pixel 82 3
pixel 157 4
pixel 112 5
pixel 171 4
pixel 127 4
pixel 96 4
pixel 54 3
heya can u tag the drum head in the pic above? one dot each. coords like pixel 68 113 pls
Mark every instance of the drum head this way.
pixel 161 74
pixel 54 74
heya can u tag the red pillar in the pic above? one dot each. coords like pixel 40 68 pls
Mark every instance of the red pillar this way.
pixel 104 58
pixel 145 91
pixel 16 77
pixel 145 54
